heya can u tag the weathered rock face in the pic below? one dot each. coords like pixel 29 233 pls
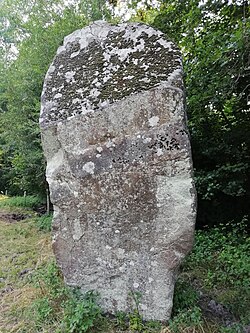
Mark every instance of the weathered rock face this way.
pixel 119 165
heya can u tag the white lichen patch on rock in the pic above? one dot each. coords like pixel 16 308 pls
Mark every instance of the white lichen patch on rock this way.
pixel 153 121
pixel 119 165
pixel 89 167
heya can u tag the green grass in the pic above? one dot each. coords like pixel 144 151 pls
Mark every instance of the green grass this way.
pixel 23 250
pixel 28 201
pixel 44 222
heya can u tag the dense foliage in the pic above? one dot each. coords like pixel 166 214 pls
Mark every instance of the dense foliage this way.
pixel 214 38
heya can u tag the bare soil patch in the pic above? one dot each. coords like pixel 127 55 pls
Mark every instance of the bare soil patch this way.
pixel 8 217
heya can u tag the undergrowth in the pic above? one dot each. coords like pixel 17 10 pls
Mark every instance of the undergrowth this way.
pixel 28 201
pixel 61 307
pixel 220 261
pixel 44 222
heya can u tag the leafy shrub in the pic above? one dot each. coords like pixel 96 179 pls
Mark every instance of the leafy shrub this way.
pixel 81 312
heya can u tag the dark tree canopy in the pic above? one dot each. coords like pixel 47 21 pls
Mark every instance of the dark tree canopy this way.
pixel 215 41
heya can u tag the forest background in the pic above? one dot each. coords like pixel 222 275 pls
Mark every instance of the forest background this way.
pixel 214 38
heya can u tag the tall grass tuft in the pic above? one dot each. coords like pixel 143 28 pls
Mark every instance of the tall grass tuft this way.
pixel 44 222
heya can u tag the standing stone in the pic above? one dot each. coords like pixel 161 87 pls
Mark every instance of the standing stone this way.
pixel 119 165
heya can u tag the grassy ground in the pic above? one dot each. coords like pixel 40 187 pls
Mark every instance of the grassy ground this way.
pixel 23 250
pixel 212 293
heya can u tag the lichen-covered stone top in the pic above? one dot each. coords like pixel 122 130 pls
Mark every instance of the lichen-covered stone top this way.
pixel 102 63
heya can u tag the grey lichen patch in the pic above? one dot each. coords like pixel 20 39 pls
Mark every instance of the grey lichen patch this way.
pixel 90 73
